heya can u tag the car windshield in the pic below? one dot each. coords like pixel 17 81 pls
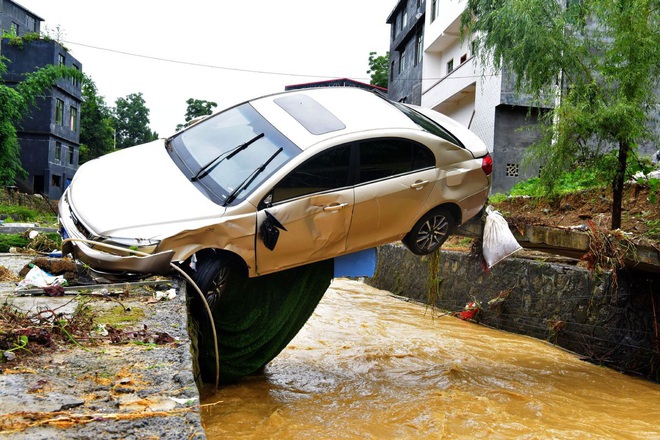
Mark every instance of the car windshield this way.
pixel 222 152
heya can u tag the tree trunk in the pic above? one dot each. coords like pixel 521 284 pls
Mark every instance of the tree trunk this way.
pixel 618 183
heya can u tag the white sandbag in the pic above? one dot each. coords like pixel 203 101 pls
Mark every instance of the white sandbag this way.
pixel 498 241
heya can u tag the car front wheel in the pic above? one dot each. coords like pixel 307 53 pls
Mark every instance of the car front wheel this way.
pixel 430 232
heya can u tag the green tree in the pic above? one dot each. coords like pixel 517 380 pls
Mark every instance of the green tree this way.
pixel 131 122
pixel 605 57
pixel 96 132
pixel 15 103
pixel 197 108
pixel 379 68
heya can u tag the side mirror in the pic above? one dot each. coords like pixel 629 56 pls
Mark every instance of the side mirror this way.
pixel 269 231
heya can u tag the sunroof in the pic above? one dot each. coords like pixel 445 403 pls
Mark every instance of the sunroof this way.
pixel 310 114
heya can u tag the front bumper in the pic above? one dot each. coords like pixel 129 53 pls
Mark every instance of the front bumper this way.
pixel 74 242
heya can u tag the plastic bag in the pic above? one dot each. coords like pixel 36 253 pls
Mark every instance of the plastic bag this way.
pixel 498 241
pixel 40 279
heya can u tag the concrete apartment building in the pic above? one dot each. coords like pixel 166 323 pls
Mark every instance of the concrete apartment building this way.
pixel 455 84
pixel 432 66
pixel 49 135
pixel 407 26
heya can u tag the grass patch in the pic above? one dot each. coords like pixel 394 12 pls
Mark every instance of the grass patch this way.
pixel 119 317
pixel 17 213
pixel 41 243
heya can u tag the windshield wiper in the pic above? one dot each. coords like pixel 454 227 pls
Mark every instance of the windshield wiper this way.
pixel 250 178
pixel 206 169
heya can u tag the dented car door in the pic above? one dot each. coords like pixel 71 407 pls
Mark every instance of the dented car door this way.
pixel 307 215
pixel 312 228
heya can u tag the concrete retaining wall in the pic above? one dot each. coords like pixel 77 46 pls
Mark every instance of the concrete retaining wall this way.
pixel 608 318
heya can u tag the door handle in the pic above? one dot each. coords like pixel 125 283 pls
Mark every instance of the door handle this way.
pixel 334 207
pixel 419 184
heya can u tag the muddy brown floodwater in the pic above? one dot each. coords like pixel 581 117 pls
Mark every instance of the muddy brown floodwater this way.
pixel 368 365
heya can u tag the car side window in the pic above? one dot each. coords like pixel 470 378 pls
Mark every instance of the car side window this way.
pixel 383 158
pixel 326 171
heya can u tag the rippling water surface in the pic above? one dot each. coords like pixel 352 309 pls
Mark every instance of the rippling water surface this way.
pixel 368 365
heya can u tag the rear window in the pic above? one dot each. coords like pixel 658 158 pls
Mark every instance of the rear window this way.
pixel 428 124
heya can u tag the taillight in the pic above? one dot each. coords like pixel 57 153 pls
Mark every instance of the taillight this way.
pixel 487 164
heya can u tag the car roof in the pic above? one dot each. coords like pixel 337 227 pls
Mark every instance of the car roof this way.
pixel 309 116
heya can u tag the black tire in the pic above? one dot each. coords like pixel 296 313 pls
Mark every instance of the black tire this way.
pixel 213 275
pixel 430 232
pixel 255 318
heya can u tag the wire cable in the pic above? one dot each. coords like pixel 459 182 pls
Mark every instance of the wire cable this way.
pixel 189 280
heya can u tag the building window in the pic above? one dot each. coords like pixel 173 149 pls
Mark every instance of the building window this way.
pixel 13 30
pixel 73 119
pixel 450 66
pixel 58 151
pixel 61 61
pixel 463 58
pixel 55 181
pixel 59 112
pixel 404 21
pixel 402 61
pixel 512 170
pixel 30 24
pixel 392 70
pixel 434 9
pixel 419 48
pixel 71 153
pixel 75 80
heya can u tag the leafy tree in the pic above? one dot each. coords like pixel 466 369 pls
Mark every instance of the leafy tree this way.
pixel 96 133
pixel 379 68
pixel 15 102
pixel 197 108
pixel 131 121
pixel 605 57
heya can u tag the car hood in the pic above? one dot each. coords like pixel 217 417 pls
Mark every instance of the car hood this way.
pixel 138 192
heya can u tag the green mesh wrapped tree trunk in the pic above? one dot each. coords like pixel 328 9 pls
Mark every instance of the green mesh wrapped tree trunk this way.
pixel 256 318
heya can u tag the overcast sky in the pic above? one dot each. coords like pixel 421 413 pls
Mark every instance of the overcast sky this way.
pixel 221 51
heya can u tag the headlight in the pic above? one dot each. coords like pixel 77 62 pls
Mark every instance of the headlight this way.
pixel 146 245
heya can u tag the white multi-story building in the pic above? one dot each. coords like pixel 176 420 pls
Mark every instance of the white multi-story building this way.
pixel 455 83
pixel 432 65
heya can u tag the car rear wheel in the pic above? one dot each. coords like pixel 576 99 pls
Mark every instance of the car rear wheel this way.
pixel 430 232
pixel 255 318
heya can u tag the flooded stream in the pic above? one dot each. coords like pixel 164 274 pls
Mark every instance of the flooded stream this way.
pixel 368 365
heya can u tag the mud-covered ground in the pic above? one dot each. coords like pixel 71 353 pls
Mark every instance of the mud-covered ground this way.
pixel 131 378
pixel 640 216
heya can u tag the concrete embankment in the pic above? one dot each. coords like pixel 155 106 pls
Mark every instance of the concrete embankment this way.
pixel 609 317
pixel 130 379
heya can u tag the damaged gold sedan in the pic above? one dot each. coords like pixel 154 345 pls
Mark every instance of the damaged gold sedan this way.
pixel 278 182
pixel 258 192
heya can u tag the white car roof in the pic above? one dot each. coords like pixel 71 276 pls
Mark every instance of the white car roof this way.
pixel 330 112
